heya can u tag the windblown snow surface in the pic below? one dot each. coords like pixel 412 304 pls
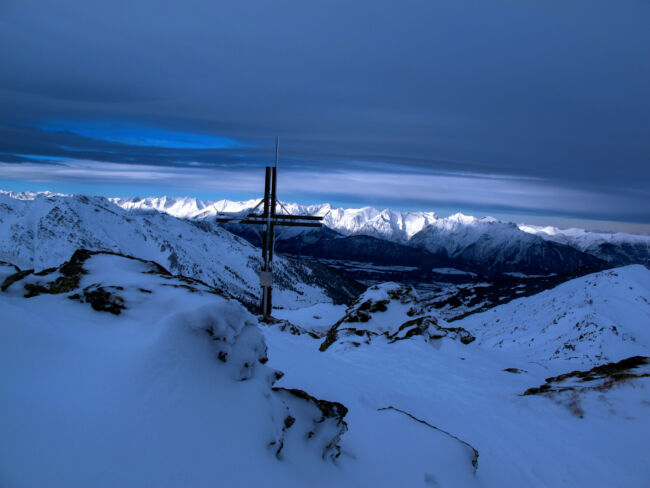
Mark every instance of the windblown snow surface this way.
pixel 594 435
pixel 115 373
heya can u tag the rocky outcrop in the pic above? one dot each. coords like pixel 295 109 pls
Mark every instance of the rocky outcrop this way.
pixel 600 378
pixel 327 424
pixel 393 312
pixel 567 389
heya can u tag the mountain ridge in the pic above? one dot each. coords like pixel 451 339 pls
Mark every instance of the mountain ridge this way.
pixel 47 229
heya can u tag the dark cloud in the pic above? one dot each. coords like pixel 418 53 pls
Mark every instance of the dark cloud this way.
pixel 554 92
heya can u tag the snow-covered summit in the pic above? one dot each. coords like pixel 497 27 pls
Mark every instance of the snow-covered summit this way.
pixel 184 207
pixel 393 225
pixel 144 378
pixel 31 195
pixel 495 246
pixel 468 237
pixel 386 224
pixel 618 247
pixel 581 238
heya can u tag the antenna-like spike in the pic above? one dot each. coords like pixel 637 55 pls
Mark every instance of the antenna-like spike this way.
pixel 277 145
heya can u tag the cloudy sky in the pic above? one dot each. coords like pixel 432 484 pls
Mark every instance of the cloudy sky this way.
pixel 535 111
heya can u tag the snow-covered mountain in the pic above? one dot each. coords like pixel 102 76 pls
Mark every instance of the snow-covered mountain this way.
pixel 453 232
pixel 42 230
pixel 483 245
pixel 615 247
pixel 184 207
pixel 386 224
pixel 498 247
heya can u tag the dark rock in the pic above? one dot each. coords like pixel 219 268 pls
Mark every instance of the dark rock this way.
pixel 10 280
pixel 514 370
pixel 599 378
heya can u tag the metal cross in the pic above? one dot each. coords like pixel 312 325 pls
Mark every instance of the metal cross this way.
pixel 269 218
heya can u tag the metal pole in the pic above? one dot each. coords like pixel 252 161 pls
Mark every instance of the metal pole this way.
pixel 270 233
pixel 265 242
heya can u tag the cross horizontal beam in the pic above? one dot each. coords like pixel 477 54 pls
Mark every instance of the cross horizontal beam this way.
pixel 283 216
pixel 274 221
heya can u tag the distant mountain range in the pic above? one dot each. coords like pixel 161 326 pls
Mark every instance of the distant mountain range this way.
pixel 453 248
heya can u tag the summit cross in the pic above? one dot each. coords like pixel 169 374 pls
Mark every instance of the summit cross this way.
pixel 270 219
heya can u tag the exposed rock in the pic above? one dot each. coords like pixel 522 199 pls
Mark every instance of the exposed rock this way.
pixel 331 416
pixel 101 299
pixel 19 275
pixel 286 326
pixel 599 378
pixel 514 370
pixel 428 326
pixel 383 310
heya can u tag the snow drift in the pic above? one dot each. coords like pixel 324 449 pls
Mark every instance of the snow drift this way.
pixel 116 373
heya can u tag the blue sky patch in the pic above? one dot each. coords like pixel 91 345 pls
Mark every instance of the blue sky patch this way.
pixel 130 134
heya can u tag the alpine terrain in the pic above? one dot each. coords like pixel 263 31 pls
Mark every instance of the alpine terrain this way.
pixel 404 349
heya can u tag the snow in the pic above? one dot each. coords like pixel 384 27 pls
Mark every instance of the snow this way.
pixel 142 396
pixel 464 389
pixel 598 318
pixel 452 271
pixel 385 224
pixel 141 399
pixel 43 230
pixel 583 239
pixel 488 242
pixel 317 318
pixel 6 270
pixel 453 233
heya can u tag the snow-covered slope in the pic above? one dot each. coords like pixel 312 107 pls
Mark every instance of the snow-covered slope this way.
pixel 42 230
pixel 497 246
pixel 123 375
pixel 615 247
pixel 116 373
pixel 534 416
pixel 597 318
